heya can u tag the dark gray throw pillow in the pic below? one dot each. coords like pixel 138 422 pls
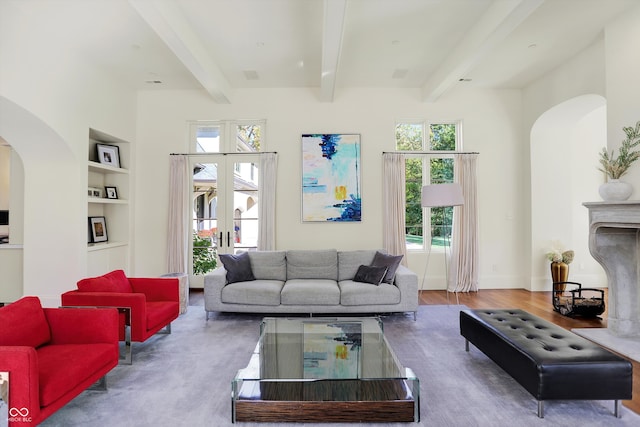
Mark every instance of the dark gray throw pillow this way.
pixel 238 267
pixel 390 261
pixel 368 274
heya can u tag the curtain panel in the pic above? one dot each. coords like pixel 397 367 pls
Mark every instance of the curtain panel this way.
pixel 393 202
pixel 463 273
pixel 178 233
pixel 267 197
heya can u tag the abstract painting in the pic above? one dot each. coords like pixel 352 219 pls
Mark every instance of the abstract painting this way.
pixel 331 177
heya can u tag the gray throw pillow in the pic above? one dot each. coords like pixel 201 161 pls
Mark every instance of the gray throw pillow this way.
pixel 238 267
pixel 390 261
pixel 368 274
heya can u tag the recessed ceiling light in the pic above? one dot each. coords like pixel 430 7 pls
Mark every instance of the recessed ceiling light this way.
pixel 259 44
pixel 154 82
pixel 300 63
pixel 464 80
pixel 399 73
pixel 250 74
pixel 532 46
pixel 395 42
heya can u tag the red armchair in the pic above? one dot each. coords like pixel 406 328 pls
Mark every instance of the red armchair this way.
pixel 153 303
pixel 52 355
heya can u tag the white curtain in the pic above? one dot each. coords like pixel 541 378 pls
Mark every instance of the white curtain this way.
pixel 267 202
pixel 463 272
pixel 393 202
pixel 177 243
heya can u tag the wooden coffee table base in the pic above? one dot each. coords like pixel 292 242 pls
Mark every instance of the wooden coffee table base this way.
pixel 279 411
pixel 388 400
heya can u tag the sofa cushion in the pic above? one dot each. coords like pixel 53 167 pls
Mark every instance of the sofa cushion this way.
pixel 349 261
pixel 269 265
pixel 312 264
pixel 238 267
pixel 257 292
pixel 63 367
pixel 24 323
pixel 369 274
pixel 356 293
pixel 115 281
pixel 311 292
pixel 390 261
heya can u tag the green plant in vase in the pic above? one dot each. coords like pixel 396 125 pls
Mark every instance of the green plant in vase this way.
pixel 615 167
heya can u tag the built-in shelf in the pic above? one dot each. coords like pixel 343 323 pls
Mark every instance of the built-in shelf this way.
pixel 107 201
pixel 115 253
pixel 100 168
pixel 106 245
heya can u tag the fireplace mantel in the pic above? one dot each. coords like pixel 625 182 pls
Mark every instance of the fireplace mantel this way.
pixel 614 241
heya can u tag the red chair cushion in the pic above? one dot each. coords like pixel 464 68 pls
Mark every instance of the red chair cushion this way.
pixel 56 382
pixel 24 323
pixel 115 281
pixel 158 312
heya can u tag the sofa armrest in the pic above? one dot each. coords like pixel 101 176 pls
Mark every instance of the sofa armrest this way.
pixel 157 288
pixel 213 284
pixel 83 326
pixel 407 281
pixel 22 364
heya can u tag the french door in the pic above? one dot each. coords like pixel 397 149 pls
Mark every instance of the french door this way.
pixel 225 209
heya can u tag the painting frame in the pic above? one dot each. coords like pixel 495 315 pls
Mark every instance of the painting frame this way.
pixel 108 155
pixel 111 192
pixel 331 177
pixel 98 229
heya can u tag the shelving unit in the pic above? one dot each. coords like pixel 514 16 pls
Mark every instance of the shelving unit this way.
pixel 115 253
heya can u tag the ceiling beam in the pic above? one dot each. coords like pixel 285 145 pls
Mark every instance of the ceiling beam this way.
pixel 500 19
pixel 169 23
pixel 332 30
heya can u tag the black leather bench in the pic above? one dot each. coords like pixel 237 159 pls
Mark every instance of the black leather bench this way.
pixel 550 362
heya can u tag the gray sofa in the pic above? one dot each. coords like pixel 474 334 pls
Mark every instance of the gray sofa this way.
pixel 310 282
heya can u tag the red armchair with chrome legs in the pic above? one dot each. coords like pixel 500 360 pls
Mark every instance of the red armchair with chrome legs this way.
pixel 151 303
pixel 52 355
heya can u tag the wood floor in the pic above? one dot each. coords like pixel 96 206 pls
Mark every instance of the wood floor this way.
pixel 537 303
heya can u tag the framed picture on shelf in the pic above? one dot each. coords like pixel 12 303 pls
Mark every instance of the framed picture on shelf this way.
pixel 108 154
pixel 97 229
pixel 94 192
pixel 112 192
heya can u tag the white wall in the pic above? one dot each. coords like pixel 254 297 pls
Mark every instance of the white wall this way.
pixel 623 86
pixel 491 125
pixel 48 101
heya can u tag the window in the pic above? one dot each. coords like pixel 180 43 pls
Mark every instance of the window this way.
pixel 426 166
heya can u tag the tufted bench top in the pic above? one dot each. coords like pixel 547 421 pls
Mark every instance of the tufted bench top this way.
pixel 542 341
pixel 547 360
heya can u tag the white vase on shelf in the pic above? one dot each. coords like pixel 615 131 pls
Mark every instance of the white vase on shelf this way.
pixel 615 190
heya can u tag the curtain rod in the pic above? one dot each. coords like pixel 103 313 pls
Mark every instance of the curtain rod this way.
pixel 223 154
pixel 431 152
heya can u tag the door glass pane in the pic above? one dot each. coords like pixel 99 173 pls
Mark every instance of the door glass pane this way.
pixel 245 207
pixel 205 217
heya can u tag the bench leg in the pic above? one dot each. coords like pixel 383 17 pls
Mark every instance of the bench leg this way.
pixel 466 345
pixel 100 385
pixel 540 408
pixel 616 409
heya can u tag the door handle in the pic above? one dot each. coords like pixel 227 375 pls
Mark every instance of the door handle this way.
pixel 228 239
pixel 220 242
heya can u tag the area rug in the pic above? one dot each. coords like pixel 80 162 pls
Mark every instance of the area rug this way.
pixel 184 379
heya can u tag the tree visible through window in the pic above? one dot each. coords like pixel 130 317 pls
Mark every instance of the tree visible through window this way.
pixel 422 169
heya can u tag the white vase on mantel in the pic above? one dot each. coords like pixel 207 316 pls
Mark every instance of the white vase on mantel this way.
pixel 615 190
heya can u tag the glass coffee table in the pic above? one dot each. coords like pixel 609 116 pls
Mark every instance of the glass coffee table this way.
pixel 324 370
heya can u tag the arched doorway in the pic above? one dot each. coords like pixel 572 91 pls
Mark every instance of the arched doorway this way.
pixel 565 142
pixel 54 249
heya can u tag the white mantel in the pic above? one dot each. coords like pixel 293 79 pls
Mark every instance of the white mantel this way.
pixel 614 241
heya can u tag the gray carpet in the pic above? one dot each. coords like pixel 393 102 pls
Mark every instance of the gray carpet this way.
pixel 183 379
